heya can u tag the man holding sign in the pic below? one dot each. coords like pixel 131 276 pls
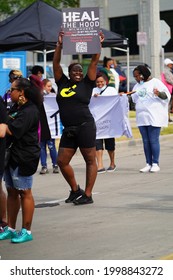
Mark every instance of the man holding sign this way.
pixel 73 98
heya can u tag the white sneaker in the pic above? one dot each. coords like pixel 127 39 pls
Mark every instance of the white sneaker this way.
pixel 145 169
pixel 155 168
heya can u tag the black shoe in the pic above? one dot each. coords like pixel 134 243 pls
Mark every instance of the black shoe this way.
pixel 73 195
pixel 83 199
pixel 55 169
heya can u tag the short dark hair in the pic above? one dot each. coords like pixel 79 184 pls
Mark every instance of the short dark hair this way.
pixel 36 69
pixel 100 74
pixel 105 60
pixel 72 65
pixel 143 70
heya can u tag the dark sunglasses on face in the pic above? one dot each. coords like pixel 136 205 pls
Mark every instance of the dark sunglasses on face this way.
pixel 13 88
pixel 14 77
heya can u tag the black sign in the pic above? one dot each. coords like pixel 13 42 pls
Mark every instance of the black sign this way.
pixel 81 28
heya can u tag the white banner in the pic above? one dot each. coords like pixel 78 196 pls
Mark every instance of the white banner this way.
pixel 110 114
pixel 52 113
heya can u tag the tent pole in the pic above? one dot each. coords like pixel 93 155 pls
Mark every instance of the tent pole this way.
pixel 44 65
pixel 128 63
pixel 128 74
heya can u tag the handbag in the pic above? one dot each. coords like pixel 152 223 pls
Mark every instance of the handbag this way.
pixel 7 156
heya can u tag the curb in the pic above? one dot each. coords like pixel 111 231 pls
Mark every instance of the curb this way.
pixel 134 142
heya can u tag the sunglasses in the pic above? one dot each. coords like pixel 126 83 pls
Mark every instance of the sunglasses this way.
pixel 14 77
pixel 13 88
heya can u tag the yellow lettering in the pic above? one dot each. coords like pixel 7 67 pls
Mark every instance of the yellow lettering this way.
pixel 68 92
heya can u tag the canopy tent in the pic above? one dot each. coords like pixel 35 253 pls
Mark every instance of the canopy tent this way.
pixel 36 28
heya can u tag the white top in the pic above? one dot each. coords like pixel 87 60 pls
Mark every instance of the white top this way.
pixel 151 109
pixel 107 91
pixel 116 77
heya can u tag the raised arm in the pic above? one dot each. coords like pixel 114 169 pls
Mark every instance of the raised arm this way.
pixel 92 68
pixel 57 69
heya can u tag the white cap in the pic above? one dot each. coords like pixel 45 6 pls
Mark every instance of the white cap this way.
pixel 168 61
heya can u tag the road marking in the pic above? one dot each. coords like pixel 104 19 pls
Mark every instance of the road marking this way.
pixel 168 257
pixel 53 202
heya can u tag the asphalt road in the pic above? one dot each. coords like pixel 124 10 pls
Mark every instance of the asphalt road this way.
pixel 131 218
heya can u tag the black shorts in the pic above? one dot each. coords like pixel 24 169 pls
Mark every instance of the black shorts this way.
pixel 84 138
pixel 109 144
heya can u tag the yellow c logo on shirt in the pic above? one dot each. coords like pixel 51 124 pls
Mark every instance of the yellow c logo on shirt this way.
pixel 68 92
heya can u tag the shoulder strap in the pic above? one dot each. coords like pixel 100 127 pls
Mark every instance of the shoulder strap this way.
pixel 103 90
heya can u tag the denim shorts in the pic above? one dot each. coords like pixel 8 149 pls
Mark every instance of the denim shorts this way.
pixel 14 180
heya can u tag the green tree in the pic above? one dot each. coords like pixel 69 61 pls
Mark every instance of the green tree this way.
pixel 9 7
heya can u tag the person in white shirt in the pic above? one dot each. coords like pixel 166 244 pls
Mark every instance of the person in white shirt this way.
pixel 115 73
pixel 152 98
pixel 103 89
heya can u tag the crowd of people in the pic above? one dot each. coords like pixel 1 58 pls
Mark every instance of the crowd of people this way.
pixel 25 135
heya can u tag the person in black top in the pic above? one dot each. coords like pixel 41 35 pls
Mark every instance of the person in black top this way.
pixel 22 135
pixel 3 127
pixel 73 98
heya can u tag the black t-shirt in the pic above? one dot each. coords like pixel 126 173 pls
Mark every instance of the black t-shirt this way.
pixel 73 100
pixel 23 123
pixel 3 119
